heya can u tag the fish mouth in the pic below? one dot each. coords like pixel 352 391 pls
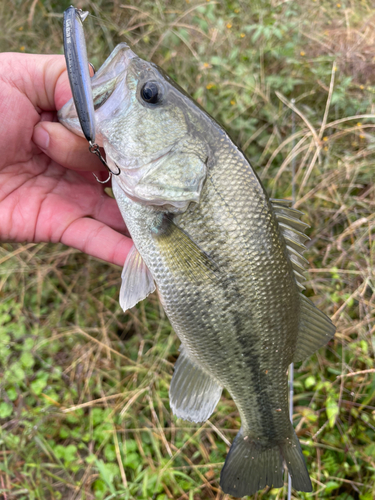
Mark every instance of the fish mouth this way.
pixel 166 178
pixel 108 80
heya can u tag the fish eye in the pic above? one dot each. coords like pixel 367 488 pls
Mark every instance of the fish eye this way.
pixel 150 92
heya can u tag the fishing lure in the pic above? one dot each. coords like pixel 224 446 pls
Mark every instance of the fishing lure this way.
pixel 80 81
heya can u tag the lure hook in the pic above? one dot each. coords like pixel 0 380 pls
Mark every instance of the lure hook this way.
pixel 102 182
pixel 94 148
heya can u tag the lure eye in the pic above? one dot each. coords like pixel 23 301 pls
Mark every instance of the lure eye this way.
pixel 150 92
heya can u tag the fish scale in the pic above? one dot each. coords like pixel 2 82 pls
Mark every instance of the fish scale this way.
pixel 225 259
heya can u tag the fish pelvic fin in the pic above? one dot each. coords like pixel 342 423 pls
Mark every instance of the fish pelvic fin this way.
pixel 251 465
pixel 193 393
pixel 137 281
pixel 315 330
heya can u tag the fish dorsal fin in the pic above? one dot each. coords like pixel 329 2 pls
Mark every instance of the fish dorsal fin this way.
pixel 193 393
pixel 182 254
pixel 293 230
pixel 315 330
pixel 137 281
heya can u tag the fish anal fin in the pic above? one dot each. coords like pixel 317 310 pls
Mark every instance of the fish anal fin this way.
pixel 315 330
pixel 182 254
pixel 193 393
pixel 137 281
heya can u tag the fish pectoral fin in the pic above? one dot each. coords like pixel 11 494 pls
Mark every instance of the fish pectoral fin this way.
pixel 315 330
pixel 181 253
pixel 193 393
pixel 137 281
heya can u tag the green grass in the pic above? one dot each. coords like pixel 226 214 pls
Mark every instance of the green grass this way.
pixel 84 409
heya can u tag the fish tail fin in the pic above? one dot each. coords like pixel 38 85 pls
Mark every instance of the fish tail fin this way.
pixel 251 465
pixel 295 462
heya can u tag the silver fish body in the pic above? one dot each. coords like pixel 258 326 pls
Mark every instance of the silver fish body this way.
pixel 225 259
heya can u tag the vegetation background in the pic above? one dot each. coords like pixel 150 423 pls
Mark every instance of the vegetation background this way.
pixel 84 411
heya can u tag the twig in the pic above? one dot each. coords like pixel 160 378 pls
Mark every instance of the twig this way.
pixel 119 458
pixel 219 433
pixel 353 374
pixel 93 402
pixel 290 105
pixel 157 422
pixel 347 301
pixel 16 252
pixel 3 487
pixel 131 401
pixel 328 103
pixel 30 17
pixel 345 480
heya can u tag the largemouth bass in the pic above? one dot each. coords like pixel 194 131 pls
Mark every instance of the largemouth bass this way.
pixel 225 259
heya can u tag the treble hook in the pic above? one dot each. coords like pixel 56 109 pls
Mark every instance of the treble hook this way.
pixel 94 148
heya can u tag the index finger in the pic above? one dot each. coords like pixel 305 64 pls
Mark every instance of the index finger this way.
pixel 42 78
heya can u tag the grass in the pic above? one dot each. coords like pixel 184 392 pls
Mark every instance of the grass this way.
pixel 84 411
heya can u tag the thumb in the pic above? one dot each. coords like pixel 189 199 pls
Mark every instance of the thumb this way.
pixel 45 83
pixel 64 147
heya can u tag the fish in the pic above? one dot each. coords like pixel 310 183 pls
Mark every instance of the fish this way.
pixel 226 260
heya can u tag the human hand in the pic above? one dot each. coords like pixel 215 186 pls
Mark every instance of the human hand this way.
pixel 47 190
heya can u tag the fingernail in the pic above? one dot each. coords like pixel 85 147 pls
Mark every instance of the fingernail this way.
pixel 41 137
